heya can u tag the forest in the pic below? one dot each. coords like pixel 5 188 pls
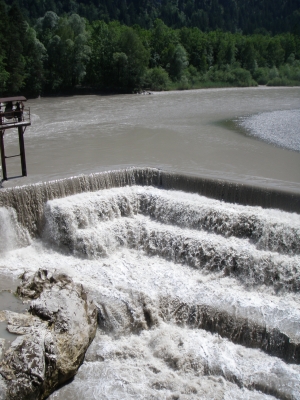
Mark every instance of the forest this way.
pixel 247 16
pixel 49 47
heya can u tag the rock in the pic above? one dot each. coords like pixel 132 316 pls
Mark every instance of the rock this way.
pixel 54 336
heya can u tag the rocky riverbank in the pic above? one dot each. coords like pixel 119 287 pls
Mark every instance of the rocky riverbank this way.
pixel 53 336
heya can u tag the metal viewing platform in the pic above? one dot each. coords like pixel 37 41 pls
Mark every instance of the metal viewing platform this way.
pixel 13 114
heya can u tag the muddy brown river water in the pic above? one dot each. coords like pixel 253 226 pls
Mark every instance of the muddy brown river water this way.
pixel 187 132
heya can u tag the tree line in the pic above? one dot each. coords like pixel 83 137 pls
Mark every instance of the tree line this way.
pixel 57 54
pixel 248 16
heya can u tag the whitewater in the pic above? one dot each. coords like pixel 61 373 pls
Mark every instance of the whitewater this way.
pixel 197 291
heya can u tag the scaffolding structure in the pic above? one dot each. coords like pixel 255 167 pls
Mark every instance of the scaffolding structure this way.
pixel 13 114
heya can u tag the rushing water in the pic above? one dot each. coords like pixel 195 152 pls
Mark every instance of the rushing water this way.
pixel 196 281
pixel 197 297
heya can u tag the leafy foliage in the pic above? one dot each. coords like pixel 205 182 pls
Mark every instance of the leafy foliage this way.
pixel 62 53
pixel 230 15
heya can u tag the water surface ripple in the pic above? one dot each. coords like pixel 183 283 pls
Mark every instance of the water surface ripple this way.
pixel 173 131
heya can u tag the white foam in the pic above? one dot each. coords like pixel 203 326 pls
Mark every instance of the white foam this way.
pixel 144 349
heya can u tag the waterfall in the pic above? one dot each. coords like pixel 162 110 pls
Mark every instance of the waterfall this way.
pixel 196 281
pixel 28 201
pixel 12 234
pixel 255 246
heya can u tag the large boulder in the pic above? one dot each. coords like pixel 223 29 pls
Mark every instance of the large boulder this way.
pixel 52 337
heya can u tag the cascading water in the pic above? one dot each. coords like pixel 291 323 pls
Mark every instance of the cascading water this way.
pixel 12 234
pixel 197 298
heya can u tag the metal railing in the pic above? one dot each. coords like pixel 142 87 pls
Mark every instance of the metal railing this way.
pixel 14 117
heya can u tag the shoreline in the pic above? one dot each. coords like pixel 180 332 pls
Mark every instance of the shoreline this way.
pixel 94 92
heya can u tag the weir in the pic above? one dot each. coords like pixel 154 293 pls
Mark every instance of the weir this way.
pixel 188 288
pixel 28 201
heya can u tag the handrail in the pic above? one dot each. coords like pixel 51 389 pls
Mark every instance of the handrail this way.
pixel 14 116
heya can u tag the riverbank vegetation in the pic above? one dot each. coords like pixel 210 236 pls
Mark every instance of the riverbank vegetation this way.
pixel 58 54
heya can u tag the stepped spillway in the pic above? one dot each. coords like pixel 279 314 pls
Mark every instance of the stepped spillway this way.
pixel 197 297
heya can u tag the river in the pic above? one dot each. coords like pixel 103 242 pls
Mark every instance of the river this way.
pixel 188 132
pixel 198 298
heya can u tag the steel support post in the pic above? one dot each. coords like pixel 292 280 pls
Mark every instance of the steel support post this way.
pixel 3 162
pixel 22 151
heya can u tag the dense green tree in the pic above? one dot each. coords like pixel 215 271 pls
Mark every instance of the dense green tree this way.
pixel 179 63
pixel 156 79
pixel 247 16
pixel 4 76
pixel 248 56
pixel 102 43
pixel 4 27
pixel 197 47
pixel 21 54
pixel 137 58
pixel 163 43
pixel 63 51
pixel 119 58
pixel 15 61
pixel 275 53
pixel 35 55
pixel 66 42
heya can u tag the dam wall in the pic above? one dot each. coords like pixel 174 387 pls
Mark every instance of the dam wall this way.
pixel 28 201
